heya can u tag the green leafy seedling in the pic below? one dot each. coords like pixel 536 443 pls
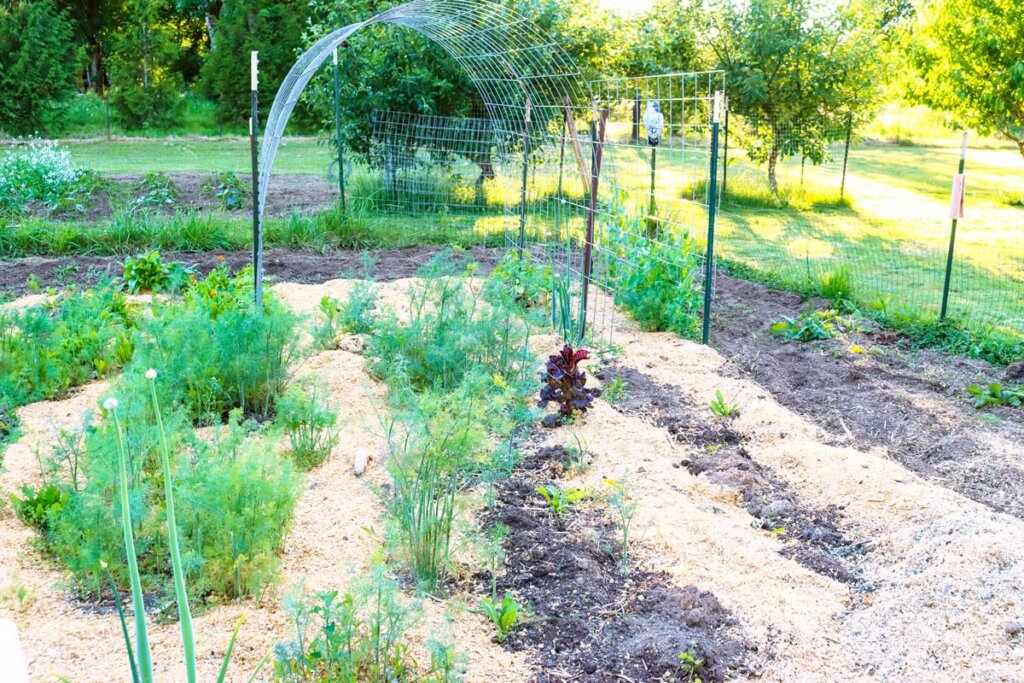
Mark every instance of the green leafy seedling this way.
pixel 721 408
pixel 504 615
pixel 995 394
pixel 558 499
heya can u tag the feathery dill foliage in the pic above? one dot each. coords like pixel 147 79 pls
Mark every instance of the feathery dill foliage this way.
pixel 309 422
pixel 458 370
pixel 219 360
pixel 216 353
pixel 234 500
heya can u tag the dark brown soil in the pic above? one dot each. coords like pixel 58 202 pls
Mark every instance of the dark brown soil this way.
pixel 284 265
pixel 912 403
pixel 812 536
pixel 587 621
pixel 286 194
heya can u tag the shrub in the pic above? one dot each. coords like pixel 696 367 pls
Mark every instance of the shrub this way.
pixel 565 384
pixel 42 174
pixel 36 58
pixel 149 273
pixel 309 422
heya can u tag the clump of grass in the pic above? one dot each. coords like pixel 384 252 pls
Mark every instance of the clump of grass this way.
pixel 836 284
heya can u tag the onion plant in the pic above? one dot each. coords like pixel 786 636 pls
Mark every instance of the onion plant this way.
pixel 141 661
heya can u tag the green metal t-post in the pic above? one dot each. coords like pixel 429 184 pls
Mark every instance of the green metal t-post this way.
pixel 337 130
pixel 526 170
pixel 952 239
pixel 709 256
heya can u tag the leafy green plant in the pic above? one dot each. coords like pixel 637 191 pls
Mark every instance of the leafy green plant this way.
pixel 359 635
pixel 228 188
pixel 995 394
pixel 42 174
pixel 560 500
pixel 690 664
pixel 156 189
pixel 74 338
pixel 565 384
pixel 310 424
pixel 503 615
pixel 220 353
pixel 816 325
pixel 615 389
pixel 525 280
pixel 355 316
pixel 657 280
pixel 721 408
pixel 622 503
pixel 149 273
pixel 40 508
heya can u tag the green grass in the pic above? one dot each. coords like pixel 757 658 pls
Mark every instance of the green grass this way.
pixel 195 155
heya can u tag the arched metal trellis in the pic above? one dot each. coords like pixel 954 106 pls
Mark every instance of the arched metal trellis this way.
pixel 553 132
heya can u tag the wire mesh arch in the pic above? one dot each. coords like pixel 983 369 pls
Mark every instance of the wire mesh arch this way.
pixel 513 63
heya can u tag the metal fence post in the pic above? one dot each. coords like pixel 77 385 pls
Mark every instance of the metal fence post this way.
pixel 725 144
pixel 709 256
pixel 526 168
pixel 954 213
pixel 846 157
pixel 597 131
pixel 257 233
pixel 337 130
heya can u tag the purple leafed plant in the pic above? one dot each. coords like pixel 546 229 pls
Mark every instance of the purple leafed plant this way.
pixel 565 384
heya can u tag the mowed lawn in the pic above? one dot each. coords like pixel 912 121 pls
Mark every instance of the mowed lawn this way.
pixel 196 154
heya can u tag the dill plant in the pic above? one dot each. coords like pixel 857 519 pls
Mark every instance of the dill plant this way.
pixel 458 371
pixel 309 422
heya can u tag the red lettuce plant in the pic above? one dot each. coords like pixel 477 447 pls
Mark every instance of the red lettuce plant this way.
pixel 565 384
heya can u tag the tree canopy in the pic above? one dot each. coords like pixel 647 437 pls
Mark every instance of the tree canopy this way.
pixel 968 59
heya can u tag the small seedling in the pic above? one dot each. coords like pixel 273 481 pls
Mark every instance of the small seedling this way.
pixel 722 409
pixel 558 499
pixel 624 505
pixel 615 389
pixel 690 664
pixel 504 615
pixel 579 454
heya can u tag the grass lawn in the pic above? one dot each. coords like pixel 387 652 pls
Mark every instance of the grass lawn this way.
pixel 199 155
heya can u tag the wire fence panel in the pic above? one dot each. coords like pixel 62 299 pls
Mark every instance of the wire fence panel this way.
pixel 877 216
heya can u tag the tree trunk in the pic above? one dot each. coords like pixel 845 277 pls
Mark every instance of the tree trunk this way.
pixel 210 31
pixel 1020 146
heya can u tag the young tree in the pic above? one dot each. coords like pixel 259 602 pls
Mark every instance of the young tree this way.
pixel 147 92
pixel 274 28
pixel 796 69
pixel 37 58
pixel 969 61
